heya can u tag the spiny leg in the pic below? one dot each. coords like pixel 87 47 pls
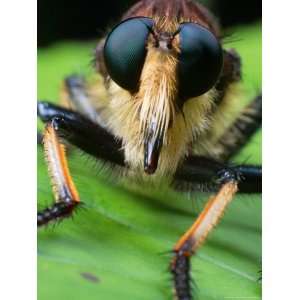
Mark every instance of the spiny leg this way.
pixel 200 170
pixel 65 193
pixel 195 237
pixel 206 174
pixel 248 122
pixel 81 132
pixel 76 95
pixel 231 73
pixel 244 127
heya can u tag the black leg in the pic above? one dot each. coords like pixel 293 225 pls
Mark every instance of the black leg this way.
pixel 196 235
pixel 249 120
pixel 207 174
pixel 241 131
pixel 77 93
pixel 81 132
pixel 231 72
pixel 250 178
pixel 227 180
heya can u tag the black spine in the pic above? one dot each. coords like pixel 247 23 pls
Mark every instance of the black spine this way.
pixel 57 212
pixel 181 276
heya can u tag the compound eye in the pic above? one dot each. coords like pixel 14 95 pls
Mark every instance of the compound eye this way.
pixel 200 60
pixel 125 51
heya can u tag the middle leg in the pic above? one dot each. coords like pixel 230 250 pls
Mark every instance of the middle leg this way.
pixel 76 94
pixel 240 132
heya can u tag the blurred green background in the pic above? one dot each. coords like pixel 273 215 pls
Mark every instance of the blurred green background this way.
pixel 116 248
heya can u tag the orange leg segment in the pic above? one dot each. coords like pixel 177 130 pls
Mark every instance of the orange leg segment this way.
pixel 65 193
pixel 195 237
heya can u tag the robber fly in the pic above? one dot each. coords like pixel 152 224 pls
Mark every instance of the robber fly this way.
pixel 161 108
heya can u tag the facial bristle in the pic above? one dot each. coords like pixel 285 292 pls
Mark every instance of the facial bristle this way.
pixel 157 92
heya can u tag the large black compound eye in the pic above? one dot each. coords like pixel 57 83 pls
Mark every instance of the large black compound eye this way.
pixel 200 60
pixel 125 51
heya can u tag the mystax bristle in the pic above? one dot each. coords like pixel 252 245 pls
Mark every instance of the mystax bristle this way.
pixel 157 93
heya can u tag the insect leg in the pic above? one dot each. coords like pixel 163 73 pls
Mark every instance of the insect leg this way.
pixel 250 178
pixel 249 120
pixel 188 244
pixel 198 170
pixel 196 236
pixel 65 192
pixel 77 95
pixel 81 132
pixel 229 179
pixel 241 130
pixel 231 72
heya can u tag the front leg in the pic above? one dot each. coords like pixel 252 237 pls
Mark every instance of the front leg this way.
pixel 229 179
pixel 195 237
pixel 65 193
pixel 81 132
pixel 205 174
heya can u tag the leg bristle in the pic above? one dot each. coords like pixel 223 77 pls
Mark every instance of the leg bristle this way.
pixel 57 212
pixel 180 269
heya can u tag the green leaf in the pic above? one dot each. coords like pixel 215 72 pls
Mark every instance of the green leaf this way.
pixel 117 247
